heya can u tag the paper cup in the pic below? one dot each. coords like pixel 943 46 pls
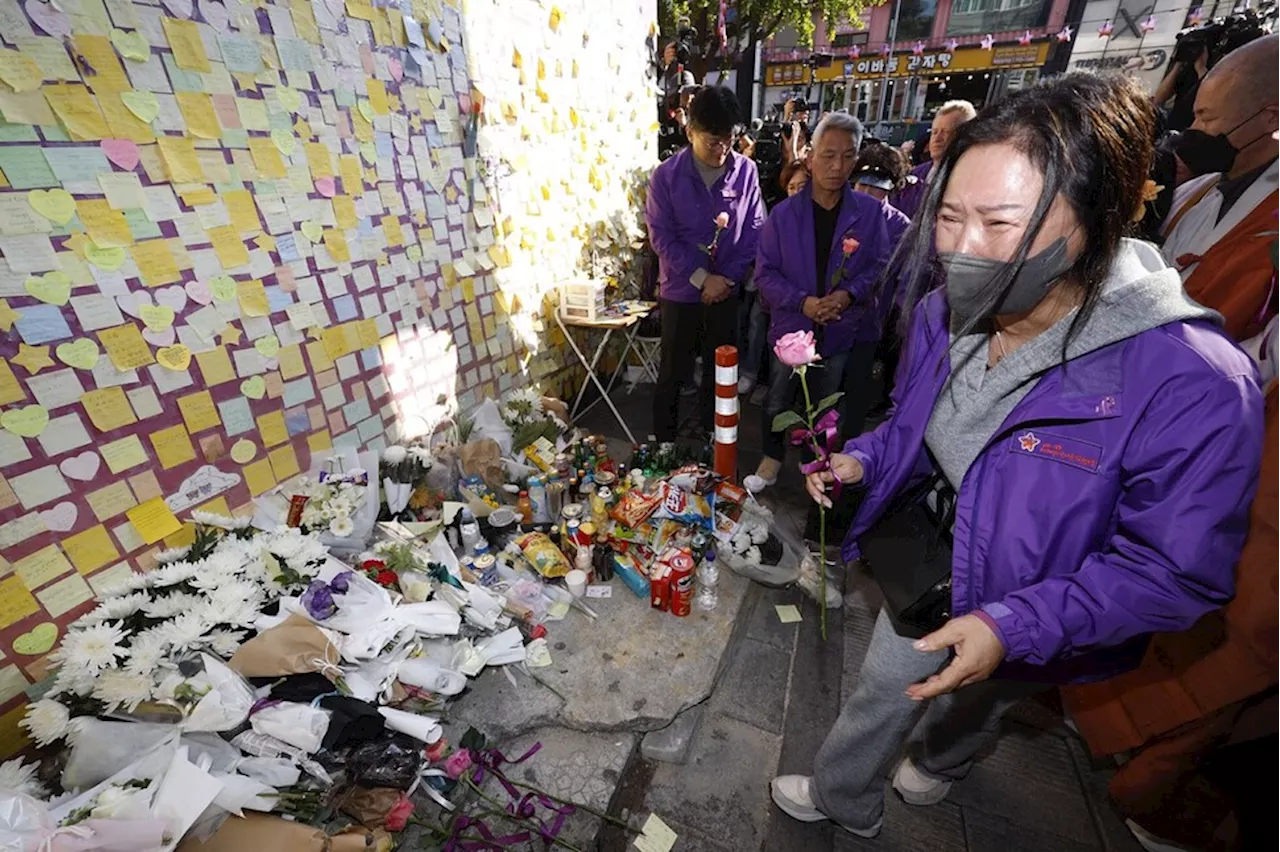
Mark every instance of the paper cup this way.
pixel 577 582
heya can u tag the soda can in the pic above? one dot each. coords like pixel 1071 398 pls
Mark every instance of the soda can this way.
pixel 660 587
pixel 681 592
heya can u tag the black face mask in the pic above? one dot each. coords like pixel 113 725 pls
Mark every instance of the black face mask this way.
pixel 1205 154
pixel 969 277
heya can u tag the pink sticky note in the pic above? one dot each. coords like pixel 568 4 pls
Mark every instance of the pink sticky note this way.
pixel 396 67
pixel 122 152
pixel 324 186
pixel 199 292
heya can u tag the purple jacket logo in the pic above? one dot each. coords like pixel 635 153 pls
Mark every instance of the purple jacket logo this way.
pixel 1029 442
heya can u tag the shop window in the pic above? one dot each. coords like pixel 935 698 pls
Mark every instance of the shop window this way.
pixel 848 40
pixel 915 20
pixel 969 17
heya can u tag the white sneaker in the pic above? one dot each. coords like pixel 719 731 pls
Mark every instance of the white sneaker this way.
pixel 917 788
pixel 791 793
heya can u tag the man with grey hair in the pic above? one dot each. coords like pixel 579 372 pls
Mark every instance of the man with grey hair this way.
pixel 948 119
pixel 817 266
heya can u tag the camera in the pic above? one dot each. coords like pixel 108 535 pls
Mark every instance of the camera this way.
pixel 1221 36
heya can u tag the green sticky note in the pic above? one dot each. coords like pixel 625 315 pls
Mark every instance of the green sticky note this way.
pixel 788 613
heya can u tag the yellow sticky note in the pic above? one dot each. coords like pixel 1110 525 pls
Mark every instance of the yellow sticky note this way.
pixel 272 429
pixel 197 196
pixel 216 366
pixel 242 211
pixel 173 447
pixel 108 408
pixel 336 242
pixel 188 49
pixel 125 346
pixel 377 91
pixel 107 227
pixel 335 343
pixel 91 549
pixel 124 123
pixel 26 108
pixel 258 476
pixel 197 109
pixel 199 412
pixel 267 157
pixel 179 156
pixel 229 247
pixel 155 262
pixel 290 360
pixel 253 297
pixel 108 502
pixel 20 71
pixel 10 390
pixel 391 227
pixel 352 175
pixel 153 520
pixel 41 567
pixel 16 604
pixel 366 333
pixel 319 441
pixel 318 159
pixel 284 462
pixel 77 110
pixel 123 454
pixel 318 355
pixel 788 613
pixel 98 53
pixel 344 211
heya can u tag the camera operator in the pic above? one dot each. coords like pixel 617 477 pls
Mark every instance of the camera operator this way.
pixel 1196 52
pixel 795 131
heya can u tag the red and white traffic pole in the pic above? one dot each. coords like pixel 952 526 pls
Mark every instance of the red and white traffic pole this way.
pixel 726 431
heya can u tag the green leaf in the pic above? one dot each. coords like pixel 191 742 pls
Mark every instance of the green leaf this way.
pixel 828 402
pixel 786 420
pixel 473 740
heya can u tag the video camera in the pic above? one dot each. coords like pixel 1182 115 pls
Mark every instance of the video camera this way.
pixel 1221 36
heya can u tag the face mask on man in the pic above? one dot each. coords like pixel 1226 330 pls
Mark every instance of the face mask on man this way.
pixel 969 276
pixel 1205 154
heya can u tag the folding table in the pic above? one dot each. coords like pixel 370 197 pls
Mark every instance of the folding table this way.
pixel 629 325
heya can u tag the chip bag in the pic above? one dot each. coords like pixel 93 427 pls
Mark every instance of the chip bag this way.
pixel 543 555
pixel 682 507
pixel 634 507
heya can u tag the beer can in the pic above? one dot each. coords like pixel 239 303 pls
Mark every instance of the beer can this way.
pixel 660 587
pixel 681 592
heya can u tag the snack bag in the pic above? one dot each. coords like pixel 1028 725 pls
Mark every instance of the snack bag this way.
pixel 634 507
pixel 682 507
pixel 544 556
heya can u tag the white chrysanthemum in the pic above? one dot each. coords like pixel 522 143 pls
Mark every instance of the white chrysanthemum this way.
pixel 394 454
pixel 91 649
pixel 224 522
pixel 225 642
pixel 146 652
pixel 122 689
pixel 173 574
pixel 422 456
pixel 187 630
pixel 164 557
pixel 167 606
pixel 114 609
pixel 18 777
pixel 46 721
pixel 759 535
pixel 341 527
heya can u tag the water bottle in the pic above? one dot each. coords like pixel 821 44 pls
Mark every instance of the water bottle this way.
pixel 470 530
pixel 538 499
pixel 707 596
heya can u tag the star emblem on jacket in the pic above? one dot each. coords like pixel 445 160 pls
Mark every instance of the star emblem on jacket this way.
pixel 1029 442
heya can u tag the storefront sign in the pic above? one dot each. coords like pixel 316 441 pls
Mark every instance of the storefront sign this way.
pixel 965 59
pixel 786 75
pixel 1031 54
pixel 1150 60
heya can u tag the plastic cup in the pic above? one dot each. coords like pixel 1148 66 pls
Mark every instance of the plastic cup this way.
pixel 576 580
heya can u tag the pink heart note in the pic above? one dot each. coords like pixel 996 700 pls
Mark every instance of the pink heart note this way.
pixel 396 67
pixel 325 187
pixel 160 338
pixel 122 152
pixel 83 467
pixel 61 518
pixel 174 297
pixel 199 292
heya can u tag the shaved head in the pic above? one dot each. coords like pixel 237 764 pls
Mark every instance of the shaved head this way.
pixel 1237 99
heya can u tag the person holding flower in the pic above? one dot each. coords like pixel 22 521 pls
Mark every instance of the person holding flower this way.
pixel 1069 462
pixel 820 254
pixel 704 213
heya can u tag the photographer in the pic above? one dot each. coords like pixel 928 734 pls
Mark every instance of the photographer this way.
pixel 1196 53
pixel 795 131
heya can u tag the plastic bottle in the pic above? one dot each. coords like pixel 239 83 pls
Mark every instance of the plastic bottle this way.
pixel 555 497
pixel 525 508
pixel 469 529
pixel 538 499
pixel 707 596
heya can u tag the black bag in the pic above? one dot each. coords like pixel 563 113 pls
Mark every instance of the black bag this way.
pixel 908 552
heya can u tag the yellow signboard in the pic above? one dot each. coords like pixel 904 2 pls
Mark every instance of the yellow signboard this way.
pixel 935 62
pixel 786 75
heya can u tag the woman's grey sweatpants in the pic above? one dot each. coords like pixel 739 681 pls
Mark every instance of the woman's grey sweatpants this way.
pixel 864 744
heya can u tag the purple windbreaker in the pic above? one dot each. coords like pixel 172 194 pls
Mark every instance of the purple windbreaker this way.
pixel 681 214
pixel 910 198
pixel 1112 503
pixel 786 275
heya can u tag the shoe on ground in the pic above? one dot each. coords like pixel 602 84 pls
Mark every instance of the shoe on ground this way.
pixel 832 555
pixel 768 470
pixel 1147 840
pixel 791 794
pixel 810 582
pixel 746 384
pixel 916 788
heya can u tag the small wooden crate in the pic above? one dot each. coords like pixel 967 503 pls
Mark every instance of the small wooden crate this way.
pixel 582 299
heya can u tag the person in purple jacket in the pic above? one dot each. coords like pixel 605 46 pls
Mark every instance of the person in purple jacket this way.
pixel 820 255
pixel 1100 432
pixel 704 213
pixel 946 122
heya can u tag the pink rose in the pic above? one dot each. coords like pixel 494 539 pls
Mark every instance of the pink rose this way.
pixel 398 817
pixel 435 751
pixel 457 763
pixel 722 221
pixel 850 245
pixel 796 349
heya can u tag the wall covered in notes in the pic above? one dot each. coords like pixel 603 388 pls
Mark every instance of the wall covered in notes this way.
pixel 235 233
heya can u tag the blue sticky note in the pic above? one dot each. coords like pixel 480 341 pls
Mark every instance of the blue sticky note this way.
pixel 344 308
pixel 141 226
pixel 237 418
pixel 277 298
pixel 297 421
pixel 356 410
pixel 350 438
pixel 183 81
pixel 287 246
pixel 77 163
pixel 26 167
pixel 366 228
pixel 371 357
pixel 41 324
pixel 382 144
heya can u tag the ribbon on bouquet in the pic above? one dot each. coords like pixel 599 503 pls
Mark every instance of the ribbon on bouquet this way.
pixel 521 807
pixel 820 439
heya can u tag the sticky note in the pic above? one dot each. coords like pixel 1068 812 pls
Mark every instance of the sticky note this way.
pixel 284 462
pixel 271 428
pixel 253 297
pixel 179 156
pixel 655 836
pixel 267 158
pixel 123 454
pixel 319 441
pixel 65 595
pixel 188 49
pixel 16 603
pixel 106 225
pixel 77 110
pixel 228 246
pixel 258 477
pixel 108 408
pixel 198 412
pixel 126 347
pixel 91 549
pixel 153 520
pixel 215 366
pixel 108 502
pixel 41 567
pixel 155 262
pixel 788 613
pixel 173 446
pixel 197 109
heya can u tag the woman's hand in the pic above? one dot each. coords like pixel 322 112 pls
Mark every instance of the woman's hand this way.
pixel 978 651
pixel 847 468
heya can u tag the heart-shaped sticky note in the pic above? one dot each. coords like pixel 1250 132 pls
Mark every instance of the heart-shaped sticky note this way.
pixel 106 259
pixel 61 517
pixel 122 152
pixel 199 292
pixel 52 287
pixel 254 387
pixel 82 354
pixel 284 140
pixel 243 451
pixel 157 317
pixel 215 15
pixel 174 297
pixel 223 288
pixel 56 205
pixel 366 109
pixel 368 152
pixel 38 640
pixel 160 338
pixel 83 467
pixel 179 8
pixel 290 98
pixel 142 104
pixel 176 357
pixel 325 186
pixel 396 67
pixel 133 302
pixel 312 231
pixel 131 45
pixel 48 18
pixel 268 347
pixel 30 421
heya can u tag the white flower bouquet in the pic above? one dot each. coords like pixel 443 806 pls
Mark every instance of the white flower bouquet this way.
pixel 404 470
pixel 338 499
